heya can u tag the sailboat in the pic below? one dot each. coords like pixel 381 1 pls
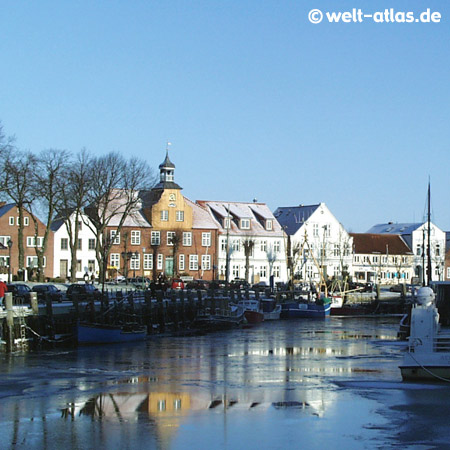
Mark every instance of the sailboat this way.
pixel 428 353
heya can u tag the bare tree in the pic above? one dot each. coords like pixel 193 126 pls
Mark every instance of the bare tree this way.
pixel 19 186
pixel 50 170
pixel 271 256
pixel 248 243
pixel 176 240
pixel 113 196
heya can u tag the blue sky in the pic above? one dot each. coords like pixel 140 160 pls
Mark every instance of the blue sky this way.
pixel 257 101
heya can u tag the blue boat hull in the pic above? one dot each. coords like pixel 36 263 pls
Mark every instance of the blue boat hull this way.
pixel 101 334
pixel 304 310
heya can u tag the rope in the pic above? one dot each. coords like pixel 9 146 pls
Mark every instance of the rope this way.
pixel 45 338
pixel 429 371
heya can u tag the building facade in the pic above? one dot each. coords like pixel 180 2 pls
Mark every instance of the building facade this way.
pixel 250 242
pixel 318 243
pixel 381 259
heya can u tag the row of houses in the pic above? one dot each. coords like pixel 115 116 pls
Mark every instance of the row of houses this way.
pixel 169 235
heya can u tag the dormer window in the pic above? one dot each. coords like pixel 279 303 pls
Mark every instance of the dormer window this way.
pixel 269 224
pixel 227 223
pixel 245 224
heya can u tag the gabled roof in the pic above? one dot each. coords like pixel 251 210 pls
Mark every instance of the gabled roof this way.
pixel 4 208
pixel 291 218
pixel 201 219
pixel 258 213
pixel 395 228
pixel 367 243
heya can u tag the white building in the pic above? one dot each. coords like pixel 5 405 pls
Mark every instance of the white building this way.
pixel 86 260
pixel 416 236
pixel 242 223
pixel 326 245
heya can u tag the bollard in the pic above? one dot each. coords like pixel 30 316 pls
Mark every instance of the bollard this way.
pixel 34 303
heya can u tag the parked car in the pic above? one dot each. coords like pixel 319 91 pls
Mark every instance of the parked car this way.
pixel 51 290
pixel 82 291
pixel 20 291
pixel 198 284
pixel 239 283
pixel 399 288
pixel 177 283
pixel 260 285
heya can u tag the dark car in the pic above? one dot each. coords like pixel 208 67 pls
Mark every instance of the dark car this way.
pixel 50 290
pixel 198 284
pixel 82 292
pixel 239 283
pixel 20 291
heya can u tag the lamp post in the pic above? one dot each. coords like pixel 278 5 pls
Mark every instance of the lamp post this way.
pixel 10 243
pixel 143 253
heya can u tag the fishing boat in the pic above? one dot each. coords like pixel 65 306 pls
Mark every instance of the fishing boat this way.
pixel 312 309
pixel 428 353
pixel 97 333
pixel 271 309
pixel 252 310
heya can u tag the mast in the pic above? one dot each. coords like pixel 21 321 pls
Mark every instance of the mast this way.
pixel 429 238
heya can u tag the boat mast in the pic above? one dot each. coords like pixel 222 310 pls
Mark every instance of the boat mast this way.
pixel 429 238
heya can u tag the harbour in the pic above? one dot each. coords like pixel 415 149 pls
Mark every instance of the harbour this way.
pixel 313 383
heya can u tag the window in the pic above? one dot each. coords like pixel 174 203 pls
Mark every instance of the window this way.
pixel 18 221
pixel 170 236
pixel 236 245
pixel 235 271
pixel 418 250
pixel 26 221
pixel 4 240
pixel 115 237
pixel 245 224
pixel 91 265
pixel 78 269
pixel 269 224
pixel 315 229
pixel 180 216
pixel 11 220
pixel 375 259
pixel 164 215
pixel 448 272
pixel 31 241
pixel 64 243
pixel 148 261
pixel 356 257
pixel 223 245
pixel 336 250
pixel 180 262
pixel 135 261
pixel 80 241
pixel 32 261
pixel 91 244
pixel 438 250
pixel 263 246
pixel 276 246
pixel 226 222
pixel 114 260
pixel 206 262
pixel 263 271
pixel 384 259
pixel 135 237
pixel 193 262
pixel 187 238
pixel 206 239
pixel 276 271
pixel 155 238
pixel 160 262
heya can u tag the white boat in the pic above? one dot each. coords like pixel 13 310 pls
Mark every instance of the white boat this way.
pixel 428 353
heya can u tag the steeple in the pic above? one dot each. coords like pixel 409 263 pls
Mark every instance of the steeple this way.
pixel 166 173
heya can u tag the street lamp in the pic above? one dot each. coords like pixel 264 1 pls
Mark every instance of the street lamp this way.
pixel 143 253
pixel 9 243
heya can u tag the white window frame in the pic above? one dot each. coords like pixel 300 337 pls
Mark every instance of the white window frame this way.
pixel 31 241
pixel 187 238
pixel 263 245
pixel 170 235
pixel 148 261
pixel 206 262
pixel 91 241
pixel 160 261
pixel 11 220
pixel 114 260
pixel 245 224
pixel 269 224
pixel 115 237
pixel 35 261
pixel 236 245
pixel 155 238
pixel 164 215
pixel 66 241
pixel 181 262
pixel 276 246
pixel 135 261
pixel 26 221
pixel 135 237
pixel 227 223
pixel 206 239
pixel 193 262
pixel 180 216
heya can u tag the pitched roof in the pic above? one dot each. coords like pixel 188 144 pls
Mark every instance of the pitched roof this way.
pixel 291 218
pixel 258 213
pixel 4 208
pixel 395 228
pixel 201 218
pixel 366 243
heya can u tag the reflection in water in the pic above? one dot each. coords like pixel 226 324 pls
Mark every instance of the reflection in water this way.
pixel 168 387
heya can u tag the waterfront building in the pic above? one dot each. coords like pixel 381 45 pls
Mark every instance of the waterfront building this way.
pixel 318 242
pixel 33 238
pixel 85 252
pixel 251 244
pixel 416 237
pixel 381 258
